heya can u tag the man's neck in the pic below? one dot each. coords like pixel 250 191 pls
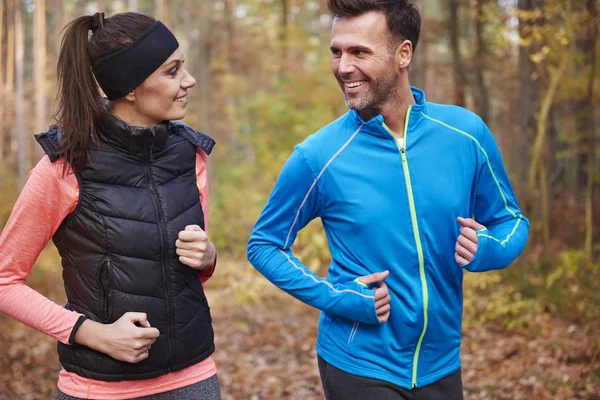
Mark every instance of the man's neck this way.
pixel 395 115
pixel 393 112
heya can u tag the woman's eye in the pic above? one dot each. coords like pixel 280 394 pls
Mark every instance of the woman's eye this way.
pixel 173 72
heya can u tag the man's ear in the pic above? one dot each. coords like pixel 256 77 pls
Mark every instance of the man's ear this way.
pixel 404 53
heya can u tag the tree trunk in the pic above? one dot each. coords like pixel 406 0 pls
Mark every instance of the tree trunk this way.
pixel 60 20
pixel 80 7
pixel 20 130
pixel 10 46
pixel 232 67
pixel 460 79
pixel 2 69
pixel 542 123
pixel 592 141
pixel 9 86
pixel 537 158
pixel 529 84
pixel 39 62
pixel 203 58
pixel 418 65
pixel 133 5
pixel 283 36
pixel 162 12
pixel 583 108
pixel 545 210
pixel 204 86
pixel 230 29
pixel 482 96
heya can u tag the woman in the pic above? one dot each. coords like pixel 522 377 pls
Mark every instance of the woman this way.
pixel 123 193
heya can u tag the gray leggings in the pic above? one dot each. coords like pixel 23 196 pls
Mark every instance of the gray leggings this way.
pixel 207 389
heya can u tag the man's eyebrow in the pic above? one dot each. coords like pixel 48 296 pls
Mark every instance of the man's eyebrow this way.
pixel 351 48
pixel 361 48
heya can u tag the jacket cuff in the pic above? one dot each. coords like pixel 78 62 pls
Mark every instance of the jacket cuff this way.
pixel 370 313
pixel 80 321
pixel 476 263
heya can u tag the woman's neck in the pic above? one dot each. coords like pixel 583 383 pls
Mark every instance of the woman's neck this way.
pixel 127 112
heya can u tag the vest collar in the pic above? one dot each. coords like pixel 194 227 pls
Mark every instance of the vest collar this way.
pixel 134 140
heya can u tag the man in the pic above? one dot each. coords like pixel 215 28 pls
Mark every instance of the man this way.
pixel 395 182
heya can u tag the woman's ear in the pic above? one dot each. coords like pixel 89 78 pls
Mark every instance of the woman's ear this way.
pixel 130 96
pixel 404 53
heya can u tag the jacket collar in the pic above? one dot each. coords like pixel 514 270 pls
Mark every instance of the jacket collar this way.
pixel 134 140
pixel 375 126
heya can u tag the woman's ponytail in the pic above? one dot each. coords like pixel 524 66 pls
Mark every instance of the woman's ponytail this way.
pixel 79 102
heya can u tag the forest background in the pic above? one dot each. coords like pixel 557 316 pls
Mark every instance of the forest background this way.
pixel 529 68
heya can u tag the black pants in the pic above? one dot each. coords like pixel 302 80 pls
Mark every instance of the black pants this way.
pixel 340 385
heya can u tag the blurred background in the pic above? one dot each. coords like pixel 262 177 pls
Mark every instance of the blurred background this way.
pixel 529 68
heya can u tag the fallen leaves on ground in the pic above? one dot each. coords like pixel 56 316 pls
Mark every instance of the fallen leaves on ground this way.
pixel 265 350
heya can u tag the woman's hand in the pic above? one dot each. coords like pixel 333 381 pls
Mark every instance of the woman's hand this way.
pixel 194 248
pixel 122 340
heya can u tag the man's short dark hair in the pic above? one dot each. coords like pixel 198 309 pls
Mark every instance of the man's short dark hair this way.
pixel 403 18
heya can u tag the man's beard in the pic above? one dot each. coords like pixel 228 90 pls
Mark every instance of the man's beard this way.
pixel 375 97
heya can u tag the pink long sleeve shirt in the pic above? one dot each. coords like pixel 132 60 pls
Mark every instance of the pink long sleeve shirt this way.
pixel 46 199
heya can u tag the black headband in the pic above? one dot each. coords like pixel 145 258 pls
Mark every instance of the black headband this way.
pixel 121 72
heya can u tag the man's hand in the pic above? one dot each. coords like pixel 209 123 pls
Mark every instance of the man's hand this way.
pixel 194 249
pixel 122 340
pixel 382 297
pixel 467 243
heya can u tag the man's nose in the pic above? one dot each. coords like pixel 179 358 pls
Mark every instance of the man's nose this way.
pixel 346 65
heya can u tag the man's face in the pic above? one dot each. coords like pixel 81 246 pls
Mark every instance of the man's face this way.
pixel 362 61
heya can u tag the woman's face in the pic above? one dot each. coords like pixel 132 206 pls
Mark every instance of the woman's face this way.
pixel 162 96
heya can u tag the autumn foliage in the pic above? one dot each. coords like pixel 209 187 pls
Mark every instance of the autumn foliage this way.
pixel 529 67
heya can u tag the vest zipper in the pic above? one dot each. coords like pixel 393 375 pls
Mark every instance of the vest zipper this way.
pixel 106 284
pixel 415 224
pixel 163 258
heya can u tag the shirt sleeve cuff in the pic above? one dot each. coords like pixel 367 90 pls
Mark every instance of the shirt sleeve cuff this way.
pixel 206 273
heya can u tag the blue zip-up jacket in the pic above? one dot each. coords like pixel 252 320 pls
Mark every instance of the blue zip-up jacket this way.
pixel 391 206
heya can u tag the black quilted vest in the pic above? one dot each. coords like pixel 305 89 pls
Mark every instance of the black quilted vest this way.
pixel 118 246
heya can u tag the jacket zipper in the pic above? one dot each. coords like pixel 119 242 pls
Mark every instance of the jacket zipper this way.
pixel 413 215
pixel 163 245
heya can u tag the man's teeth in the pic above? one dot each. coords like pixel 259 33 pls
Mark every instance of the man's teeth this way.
pixel 355 84
pixel 180 99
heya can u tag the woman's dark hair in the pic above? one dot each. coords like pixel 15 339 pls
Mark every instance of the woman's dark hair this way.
pixel 79 104
pixel 403 18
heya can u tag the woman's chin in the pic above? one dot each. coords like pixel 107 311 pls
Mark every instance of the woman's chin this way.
pixel 175 116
